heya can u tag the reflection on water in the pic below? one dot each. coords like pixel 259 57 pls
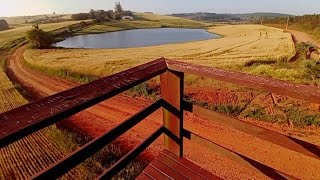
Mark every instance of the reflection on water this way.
pixel 136 38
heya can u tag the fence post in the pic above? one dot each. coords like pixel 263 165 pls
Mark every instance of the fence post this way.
pixel 172 83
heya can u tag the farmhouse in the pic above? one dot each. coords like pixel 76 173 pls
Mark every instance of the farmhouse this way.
pixel 127 18
pixel 3 25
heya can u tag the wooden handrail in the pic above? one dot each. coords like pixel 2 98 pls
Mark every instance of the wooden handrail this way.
pixel 25 120
pixel 22 121
pixel 298 91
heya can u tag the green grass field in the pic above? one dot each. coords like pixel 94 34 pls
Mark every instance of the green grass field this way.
pixel 13 37
pixel 143 21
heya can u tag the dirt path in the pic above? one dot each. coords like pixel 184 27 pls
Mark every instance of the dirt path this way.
pixel 104 116
pixel 304 37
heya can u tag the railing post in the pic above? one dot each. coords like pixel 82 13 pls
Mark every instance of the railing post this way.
pixel 172 92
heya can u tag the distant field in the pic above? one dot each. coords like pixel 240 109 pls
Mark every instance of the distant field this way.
pixel 7 37
pixel 141 21
pixel 314 32
pixel 22 19
pixel 240 46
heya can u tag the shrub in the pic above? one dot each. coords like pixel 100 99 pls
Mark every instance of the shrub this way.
pixel 39 39
pixel 164 26
pixel 311 68
pixel 80 16
pixel 3 25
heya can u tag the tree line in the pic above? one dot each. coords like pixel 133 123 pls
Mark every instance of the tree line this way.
pixel 307 22
pixel 40 39
pixel 102 15
pixel 312 20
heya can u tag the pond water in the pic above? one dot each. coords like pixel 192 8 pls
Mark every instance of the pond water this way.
pixel 136 38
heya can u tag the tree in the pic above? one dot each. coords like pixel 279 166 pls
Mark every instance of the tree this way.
pixel 83 24
pixel 110 14
pixel 39 39
pixel 80 16
pixel 118 8
pixel 35 26
pixel 101 16
pixel 92 14
pixel 3 25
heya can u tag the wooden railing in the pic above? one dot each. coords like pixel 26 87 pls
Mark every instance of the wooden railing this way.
pixel 32 117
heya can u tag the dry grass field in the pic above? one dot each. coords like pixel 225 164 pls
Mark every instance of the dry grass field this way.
pixel 252 49
pixel 14 157
pixel 26 157
pixel 9 96
pixel 240 46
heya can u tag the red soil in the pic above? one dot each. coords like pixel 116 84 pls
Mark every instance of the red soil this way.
pixel 304 37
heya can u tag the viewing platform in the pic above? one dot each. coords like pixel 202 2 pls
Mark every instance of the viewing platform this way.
pixel 169 166
pixel 170 163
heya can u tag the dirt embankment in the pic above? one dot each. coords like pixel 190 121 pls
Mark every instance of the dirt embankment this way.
pixel 102 117
pixel 304 37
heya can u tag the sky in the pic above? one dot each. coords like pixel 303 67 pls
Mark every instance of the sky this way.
pixel 35 7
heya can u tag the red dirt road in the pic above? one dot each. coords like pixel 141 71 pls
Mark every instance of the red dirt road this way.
pixel 102 117
pixel 304 37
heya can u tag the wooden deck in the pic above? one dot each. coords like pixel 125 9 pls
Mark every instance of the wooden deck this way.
pixel 169 166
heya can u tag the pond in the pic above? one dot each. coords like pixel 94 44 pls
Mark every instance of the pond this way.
pixel 136 38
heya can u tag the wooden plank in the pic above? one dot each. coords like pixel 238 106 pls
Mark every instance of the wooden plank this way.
pixel 178 167
pixel 236 157
pixel 190 166
pixel 299 91
pixel 172 92
pixel 124 161
pixel 143 176
pixel 164 169
pixel 155 174
pixel 64 165
pixel 29 118
pixel 288 142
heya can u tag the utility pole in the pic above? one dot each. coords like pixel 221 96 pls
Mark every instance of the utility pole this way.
pixel 261 20
pixel 287 22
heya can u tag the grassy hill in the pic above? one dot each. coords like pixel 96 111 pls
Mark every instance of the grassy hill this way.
pixel 19 21
pixel 144 20
pixel 11 37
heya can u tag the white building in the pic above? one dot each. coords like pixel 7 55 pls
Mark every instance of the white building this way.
pixel 127 18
